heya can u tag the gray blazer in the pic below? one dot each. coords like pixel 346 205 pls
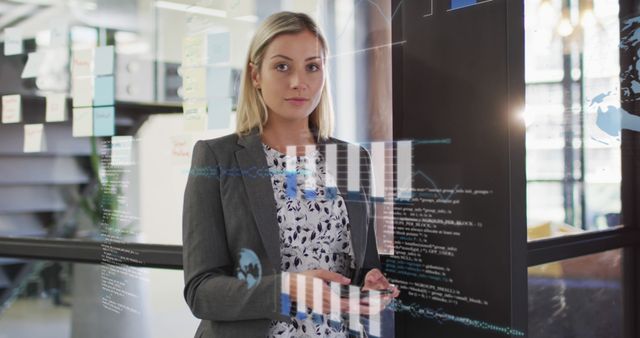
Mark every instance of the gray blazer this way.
pixel 229 206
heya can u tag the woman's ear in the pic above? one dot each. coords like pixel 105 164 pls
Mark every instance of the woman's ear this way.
pixel 255 75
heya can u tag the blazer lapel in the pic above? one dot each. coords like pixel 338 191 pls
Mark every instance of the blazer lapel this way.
pixel 260 193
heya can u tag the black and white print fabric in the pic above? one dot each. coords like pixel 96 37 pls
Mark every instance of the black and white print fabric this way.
pixel 314 231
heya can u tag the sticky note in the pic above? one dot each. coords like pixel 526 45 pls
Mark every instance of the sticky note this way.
pixel 59 35
pixel 104 121
pixel 82 63
pixel 181 149
pixel 103 61
pixel 218 48
pixel 82 91
pixel 193 50
pixel 218 82
pixel 219 112
pixel 12 41
pixel 121 150
pixel 82 122
pixel 11 109
pixel 103 93
pixel 195 116
pixel 56 107
pixel 34 138
pixel 194 83
pixel 33 66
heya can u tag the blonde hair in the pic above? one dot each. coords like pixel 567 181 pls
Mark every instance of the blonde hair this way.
pixel 252 111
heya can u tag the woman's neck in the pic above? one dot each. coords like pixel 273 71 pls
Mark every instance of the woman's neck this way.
pixel 280 135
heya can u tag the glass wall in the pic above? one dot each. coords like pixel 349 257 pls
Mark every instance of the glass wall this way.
pixel 577 297
pixel 149 79
pixel 573 94
pixel 61 299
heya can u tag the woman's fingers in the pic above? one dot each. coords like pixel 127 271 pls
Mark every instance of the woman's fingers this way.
pixel 329 276
pixel 375 280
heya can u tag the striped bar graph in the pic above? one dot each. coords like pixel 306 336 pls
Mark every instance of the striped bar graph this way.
pixel 310 170
pixel 291 172
pixel 285 294
pixel 404 168
pixel 375 324
pixel 377 179
pixel 317 300
pixel 353 171
pixel 334 304
pixel 354 309
pixel 331 171
pixel 301 310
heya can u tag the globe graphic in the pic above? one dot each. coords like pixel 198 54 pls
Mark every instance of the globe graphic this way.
pixel 249 268
pixel 611 118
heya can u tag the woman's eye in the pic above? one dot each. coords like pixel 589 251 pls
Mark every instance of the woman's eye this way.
pixel 282 67
pixel 313 67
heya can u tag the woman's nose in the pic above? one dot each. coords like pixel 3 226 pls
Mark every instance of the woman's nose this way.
pixel 297 81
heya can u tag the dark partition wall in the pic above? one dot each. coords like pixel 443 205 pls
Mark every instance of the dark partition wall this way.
pixel 460 241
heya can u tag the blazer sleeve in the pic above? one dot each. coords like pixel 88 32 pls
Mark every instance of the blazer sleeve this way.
pixel 211 290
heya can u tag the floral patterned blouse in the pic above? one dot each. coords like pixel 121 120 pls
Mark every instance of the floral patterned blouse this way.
pixel 314 231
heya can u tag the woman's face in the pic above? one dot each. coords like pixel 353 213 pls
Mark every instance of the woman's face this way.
pixel 291 77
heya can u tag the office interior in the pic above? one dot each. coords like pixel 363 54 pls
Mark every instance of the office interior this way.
pixel 515 118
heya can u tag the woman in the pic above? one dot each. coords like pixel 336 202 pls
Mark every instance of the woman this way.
pixel 248 206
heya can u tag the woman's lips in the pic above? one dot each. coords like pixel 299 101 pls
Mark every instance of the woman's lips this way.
pixel 297 101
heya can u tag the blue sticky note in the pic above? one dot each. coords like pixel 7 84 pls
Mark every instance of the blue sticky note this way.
pixel 104 88
pixel 455 4
pixel 218 82
pixel 104 121
pixel 219 112
pixel 103 60
pixel 218 47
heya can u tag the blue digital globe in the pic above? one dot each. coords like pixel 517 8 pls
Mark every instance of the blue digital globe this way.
pixel 249 268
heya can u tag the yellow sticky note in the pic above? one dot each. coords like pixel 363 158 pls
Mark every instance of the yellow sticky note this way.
pixel 82 122
pixel 56 108
pixel 82 91
pixel 193 48
pixel 194 83
pixel 11 109
pixel 181 149
pixel 34 138
pixel 195 116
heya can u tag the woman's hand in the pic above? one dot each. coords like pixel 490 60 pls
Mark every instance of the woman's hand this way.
pixel 326 277
pixel 375 280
